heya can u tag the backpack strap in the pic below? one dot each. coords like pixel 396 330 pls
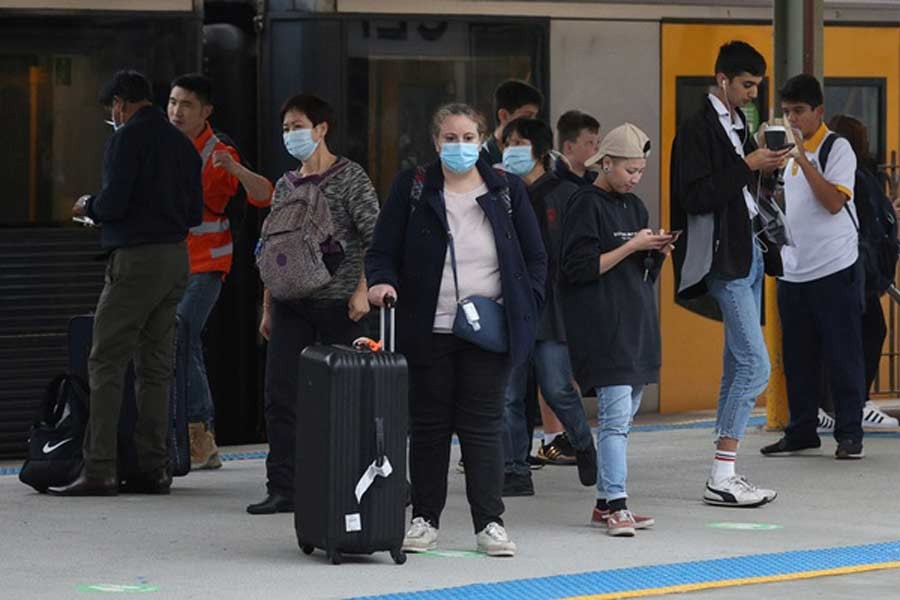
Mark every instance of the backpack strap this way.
pixel 824 153
pixel 415 191
pixel 825 149
pixel 504 193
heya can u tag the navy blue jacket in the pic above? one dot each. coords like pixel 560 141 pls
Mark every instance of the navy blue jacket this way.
pixel 152 191
pixel 409 249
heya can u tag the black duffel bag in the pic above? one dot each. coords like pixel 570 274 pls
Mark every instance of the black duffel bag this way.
pixel 56 437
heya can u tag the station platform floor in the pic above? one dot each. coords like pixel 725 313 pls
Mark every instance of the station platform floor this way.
pixel 832 533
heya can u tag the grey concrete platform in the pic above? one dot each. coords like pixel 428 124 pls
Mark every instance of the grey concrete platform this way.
pixel 199 543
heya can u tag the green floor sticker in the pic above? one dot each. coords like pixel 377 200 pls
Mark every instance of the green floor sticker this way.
pixel 745 526
pixel 454 554
pixel 115 588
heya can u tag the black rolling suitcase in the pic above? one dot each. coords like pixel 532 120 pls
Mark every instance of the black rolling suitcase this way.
pixel 352 408
pixel 80 338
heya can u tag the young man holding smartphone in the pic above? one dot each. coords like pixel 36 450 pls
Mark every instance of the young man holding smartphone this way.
pixel 715 164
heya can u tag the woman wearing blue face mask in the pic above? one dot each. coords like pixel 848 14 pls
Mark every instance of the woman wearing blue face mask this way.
pixel 330 314
pixel 456 385
pixel 527 144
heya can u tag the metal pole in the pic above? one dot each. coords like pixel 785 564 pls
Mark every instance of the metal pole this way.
pixel 798 29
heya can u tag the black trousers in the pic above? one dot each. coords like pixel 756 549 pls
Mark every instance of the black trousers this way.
pixel 821 324
pixel 874 330
pixel 462 390
pixel 294 326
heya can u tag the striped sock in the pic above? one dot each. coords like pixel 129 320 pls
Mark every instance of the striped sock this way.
pixel 723 465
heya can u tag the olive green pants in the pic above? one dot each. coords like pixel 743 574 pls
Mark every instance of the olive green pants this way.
pixel 135 319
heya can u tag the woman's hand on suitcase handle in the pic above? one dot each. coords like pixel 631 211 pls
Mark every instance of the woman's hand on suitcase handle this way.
pixel 378 293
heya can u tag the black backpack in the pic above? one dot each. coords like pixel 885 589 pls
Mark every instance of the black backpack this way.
pixel 877 226
pixel 57 435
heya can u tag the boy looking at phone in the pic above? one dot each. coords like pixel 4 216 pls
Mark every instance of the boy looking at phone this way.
pixel 715 164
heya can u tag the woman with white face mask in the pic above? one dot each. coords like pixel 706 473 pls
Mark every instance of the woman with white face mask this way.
pixel 458 214
pixel 330 314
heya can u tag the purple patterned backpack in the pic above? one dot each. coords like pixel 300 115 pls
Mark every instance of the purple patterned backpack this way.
pixel 298 252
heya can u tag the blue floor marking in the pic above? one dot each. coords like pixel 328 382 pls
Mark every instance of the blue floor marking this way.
pixel 662 576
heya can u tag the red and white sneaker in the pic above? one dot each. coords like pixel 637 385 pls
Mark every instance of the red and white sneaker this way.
pixel 599 519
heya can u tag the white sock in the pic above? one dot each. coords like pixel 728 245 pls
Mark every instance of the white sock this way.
pixel 549 437
pixel 723 465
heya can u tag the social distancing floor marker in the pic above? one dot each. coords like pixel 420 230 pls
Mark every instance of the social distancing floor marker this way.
pixel 744 526
pixel 117 588
pixel 453 554
pixel 655 580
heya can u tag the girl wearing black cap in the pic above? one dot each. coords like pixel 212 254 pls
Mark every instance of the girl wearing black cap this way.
pixel 610 261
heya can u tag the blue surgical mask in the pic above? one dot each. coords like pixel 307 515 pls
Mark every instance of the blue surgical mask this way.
pixel 518 160
pixel 459 157
pixel 299 143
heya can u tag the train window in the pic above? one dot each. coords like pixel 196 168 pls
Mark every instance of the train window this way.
pixel 690 93
pixel 51 71
pixel 399 72
pixel 864 99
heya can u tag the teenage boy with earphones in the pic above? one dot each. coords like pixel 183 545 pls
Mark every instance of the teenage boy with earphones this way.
pixel 715 164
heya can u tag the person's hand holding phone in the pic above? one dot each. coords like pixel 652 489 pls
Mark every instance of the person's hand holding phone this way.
pixel 645 239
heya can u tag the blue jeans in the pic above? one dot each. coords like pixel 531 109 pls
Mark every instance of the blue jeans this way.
pixel 196 304
pixel 745 361
pixel 553 372
pixel 616 407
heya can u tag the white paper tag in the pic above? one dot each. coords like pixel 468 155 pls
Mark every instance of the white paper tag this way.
pixel 352 522
pixel 368 477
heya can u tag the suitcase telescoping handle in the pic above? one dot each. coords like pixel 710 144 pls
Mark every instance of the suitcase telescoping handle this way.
pixel 387 329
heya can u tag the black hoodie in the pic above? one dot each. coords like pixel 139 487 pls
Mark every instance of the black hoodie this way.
pixel 611 319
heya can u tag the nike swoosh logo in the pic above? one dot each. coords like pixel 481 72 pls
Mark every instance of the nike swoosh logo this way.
pixel 48 448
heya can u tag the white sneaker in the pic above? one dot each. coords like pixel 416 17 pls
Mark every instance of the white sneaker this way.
pixel 875 418
pixel 493 541
pixel 420 537
pixel 825 422
pixel 736 491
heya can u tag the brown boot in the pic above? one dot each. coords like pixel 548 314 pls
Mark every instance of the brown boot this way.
pixel 204 453
pixel 214 461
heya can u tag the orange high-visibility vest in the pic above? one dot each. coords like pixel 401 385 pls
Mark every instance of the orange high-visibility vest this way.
pixel 209 244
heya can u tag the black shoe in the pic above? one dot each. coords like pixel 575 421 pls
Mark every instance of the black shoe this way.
pixel 534 463
pixel 558 452
pixel 158 482
pixel 515 484
pixel 587 465
pixel 788 447
pixel 849 450
pixel 274 503
pixel 86 486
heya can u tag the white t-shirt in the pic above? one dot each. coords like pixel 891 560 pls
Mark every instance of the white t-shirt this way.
pixel 731 130
pixel 476 256
pixel 824 243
